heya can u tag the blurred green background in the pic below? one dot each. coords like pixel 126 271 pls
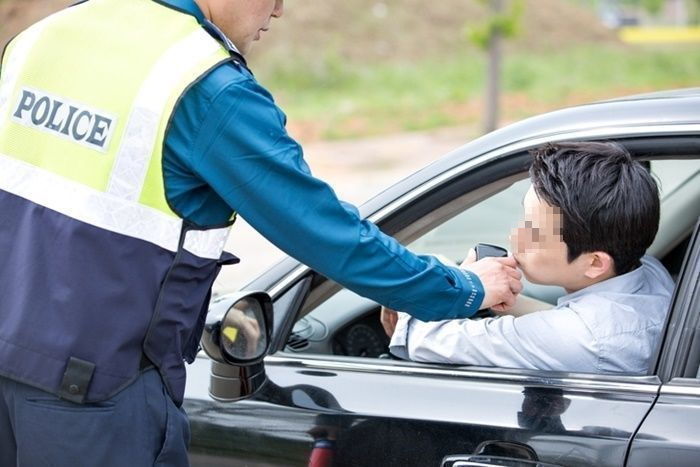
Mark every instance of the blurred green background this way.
pixel 356 68
pixel 376 89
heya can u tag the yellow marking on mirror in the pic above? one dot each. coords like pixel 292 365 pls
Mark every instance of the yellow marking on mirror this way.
pixel 231 333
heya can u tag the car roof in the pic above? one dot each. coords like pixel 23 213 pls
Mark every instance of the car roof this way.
pixel 673 107
pixel 687 92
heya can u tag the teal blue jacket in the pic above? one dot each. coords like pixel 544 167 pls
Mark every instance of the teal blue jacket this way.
pixel 227 150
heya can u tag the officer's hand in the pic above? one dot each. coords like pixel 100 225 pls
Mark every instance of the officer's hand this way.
pixel 500 278
pixel 389 318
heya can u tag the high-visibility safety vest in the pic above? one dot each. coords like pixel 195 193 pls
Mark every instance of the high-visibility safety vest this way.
pixel 97 270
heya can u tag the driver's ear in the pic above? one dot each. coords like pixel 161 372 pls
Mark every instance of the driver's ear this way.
pixel 600 266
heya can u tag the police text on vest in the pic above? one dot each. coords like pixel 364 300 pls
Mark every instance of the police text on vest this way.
pixel 65 119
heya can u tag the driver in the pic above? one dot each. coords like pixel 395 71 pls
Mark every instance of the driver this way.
pixel 590 214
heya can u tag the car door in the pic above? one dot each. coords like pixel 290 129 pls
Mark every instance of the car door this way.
pixel 360 411
pixel 669 435
pixel 371 411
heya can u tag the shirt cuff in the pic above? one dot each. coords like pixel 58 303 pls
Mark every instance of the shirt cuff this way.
pixel 472 295
pixel 398 346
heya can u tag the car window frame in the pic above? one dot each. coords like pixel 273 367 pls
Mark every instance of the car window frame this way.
pixel 392 219
pixel 652 140
pixel 683 318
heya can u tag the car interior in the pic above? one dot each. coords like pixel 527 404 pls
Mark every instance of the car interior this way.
pixel 335 321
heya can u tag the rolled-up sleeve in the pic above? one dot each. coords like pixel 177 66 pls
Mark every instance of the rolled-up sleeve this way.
pixel 245 154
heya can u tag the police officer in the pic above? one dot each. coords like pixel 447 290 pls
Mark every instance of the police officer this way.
pixel 130 132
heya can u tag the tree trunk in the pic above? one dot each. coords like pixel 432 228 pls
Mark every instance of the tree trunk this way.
pixel 493 78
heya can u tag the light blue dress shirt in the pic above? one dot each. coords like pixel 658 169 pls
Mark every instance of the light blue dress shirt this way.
pixel 226 149
pixel 610 327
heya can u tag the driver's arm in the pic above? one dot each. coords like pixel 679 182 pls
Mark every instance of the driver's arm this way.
pixel 554 339
pixel 525 305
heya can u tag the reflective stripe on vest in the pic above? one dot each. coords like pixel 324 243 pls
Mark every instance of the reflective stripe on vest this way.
pixel 98 268
pixel 133 158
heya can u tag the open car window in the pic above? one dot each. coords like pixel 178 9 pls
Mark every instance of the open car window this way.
pixel 348 325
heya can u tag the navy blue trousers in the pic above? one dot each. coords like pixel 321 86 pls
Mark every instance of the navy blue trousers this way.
pixel 140 426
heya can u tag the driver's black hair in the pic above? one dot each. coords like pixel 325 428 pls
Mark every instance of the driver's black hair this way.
pixel 608 201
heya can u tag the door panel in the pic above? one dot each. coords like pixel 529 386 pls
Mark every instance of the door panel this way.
pixel 669 436
pixel 406 414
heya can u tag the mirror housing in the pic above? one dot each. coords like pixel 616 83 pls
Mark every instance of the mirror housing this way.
pixel 237 336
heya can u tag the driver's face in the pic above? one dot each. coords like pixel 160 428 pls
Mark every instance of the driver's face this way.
pixel 538 246
pixel 243 21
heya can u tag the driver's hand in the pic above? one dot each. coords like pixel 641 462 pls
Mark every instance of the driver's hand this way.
pixel 500 278
pixel 389 318
pixel 251 328
pixel 471 258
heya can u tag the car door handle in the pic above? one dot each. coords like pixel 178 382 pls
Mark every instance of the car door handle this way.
pixel 473 460
pixel 468 463
pixel 497 453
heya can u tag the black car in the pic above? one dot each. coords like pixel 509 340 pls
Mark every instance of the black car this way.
pixel 328 394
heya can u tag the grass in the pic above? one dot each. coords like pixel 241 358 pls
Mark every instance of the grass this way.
pixel 336 99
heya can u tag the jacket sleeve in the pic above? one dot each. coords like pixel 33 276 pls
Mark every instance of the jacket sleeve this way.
pixel 244 152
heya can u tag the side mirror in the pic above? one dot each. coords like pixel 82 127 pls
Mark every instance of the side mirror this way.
pixel 237 336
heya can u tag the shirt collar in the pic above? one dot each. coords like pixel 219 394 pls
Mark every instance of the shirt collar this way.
pixel 186 6
pixel 628 283
pixel 190 7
